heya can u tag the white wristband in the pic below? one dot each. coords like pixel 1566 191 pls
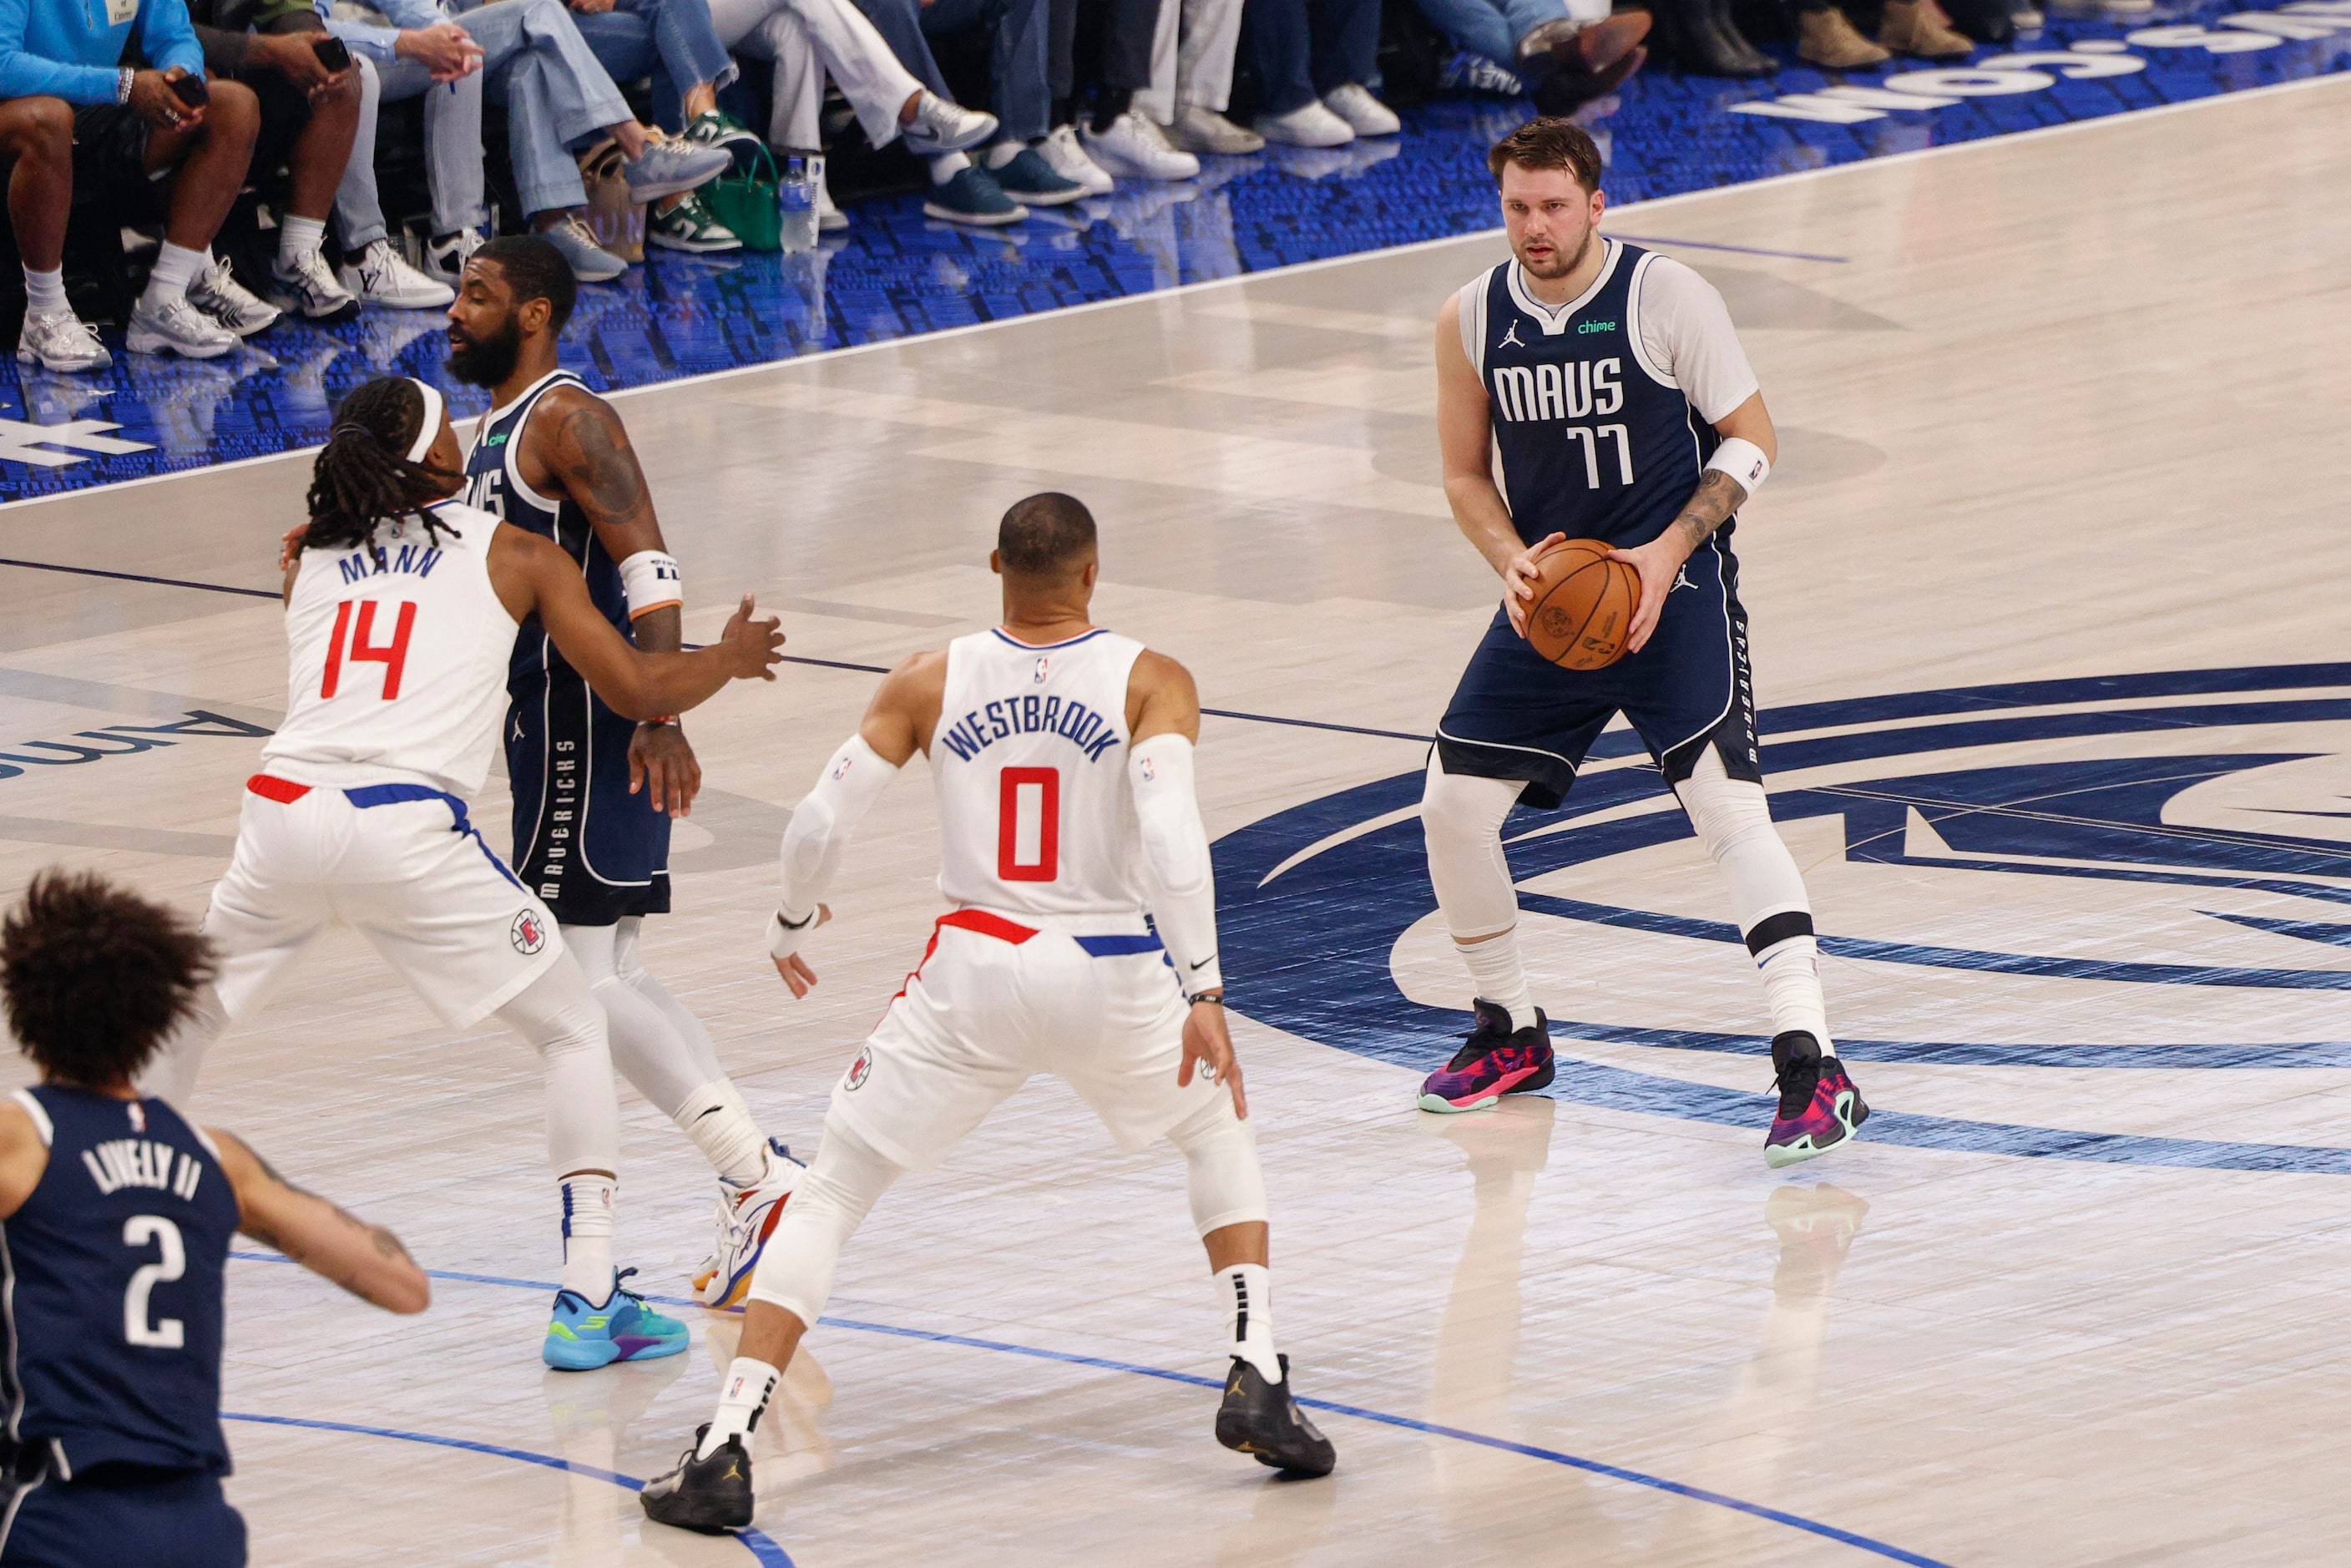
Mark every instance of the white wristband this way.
pixel 649 580
pixel 1743 461
pixel 784 940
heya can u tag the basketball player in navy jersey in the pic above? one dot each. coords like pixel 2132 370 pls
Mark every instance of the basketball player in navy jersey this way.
pixel 594 792
pixel 1605 389
pixel 115 1221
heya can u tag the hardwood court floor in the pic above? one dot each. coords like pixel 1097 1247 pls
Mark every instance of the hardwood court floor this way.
pixel 2069 407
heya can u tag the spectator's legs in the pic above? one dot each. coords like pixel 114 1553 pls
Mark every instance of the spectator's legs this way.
pixel 1480 27
pixel 359 210
pixel 1204 66
pixel 210 160
pixel 1158 100
pixel 323 151
pixel 795 90
pixel 37 132
pixel 1020 62
pixel 1345 37
pixel 1275 33
pixel 900 23
pixel 692 64
pixel 538 65
pixel 882 92
pixel 453 153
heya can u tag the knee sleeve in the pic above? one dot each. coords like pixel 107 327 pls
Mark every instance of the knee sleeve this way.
pixel 832 1199
pixel 1733 819
pixel 1461 818
pixel 1221 1174
pixel 559 1015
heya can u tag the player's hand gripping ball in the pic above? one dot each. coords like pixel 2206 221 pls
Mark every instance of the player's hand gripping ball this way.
pixel 1583 605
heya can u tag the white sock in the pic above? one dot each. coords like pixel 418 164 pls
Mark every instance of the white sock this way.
pixel 1499 977
pixel 298 238
pixel 947 166
pixel 588 1237
pixel 1791 988
pixel 740 1399
pixel 1003 152
pixel 44 292
pixel 1246 1293
pixel 175 267
pixel 721 1127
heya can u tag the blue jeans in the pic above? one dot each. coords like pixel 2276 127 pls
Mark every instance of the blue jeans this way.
pixel 535 63
pixel 1304 48
pixel 672 41
pixel 1492 27
pixel 1020 57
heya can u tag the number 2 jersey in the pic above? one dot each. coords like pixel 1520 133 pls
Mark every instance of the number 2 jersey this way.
pixel 1603 408
pixel 110 1287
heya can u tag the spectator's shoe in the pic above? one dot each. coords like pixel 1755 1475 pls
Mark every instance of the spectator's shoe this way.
pixel 712 1495
pixel 1565 92
pixel 830 218
pixel 1025 177
pixel 1915 28
pixel 581 1336
pixel 60 340
pixel 1827 38
pixel 1263 1420
pixel 1062 154
pixel 1198 130
pixel 669 165
pixel 215 291
pixel 445 255
pixel 1307 125
pixel 590 262
pixel 1364 115
pixel 973 197
pixel 176 327
pixel 383 276
pixel 747 1217
pixel 1820 1108
pixel 1467 72
pixel 939 126
pixel 307 284
pixel 1494 1061
pixel 1132 149
pixel 689 225
pixel 716 128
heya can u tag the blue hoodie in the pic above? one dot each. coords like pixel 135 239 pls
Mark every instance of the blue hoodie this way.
pixel 72 49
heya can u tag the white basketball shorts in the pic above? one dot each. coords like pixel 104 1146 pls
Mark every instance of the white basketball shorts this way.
pixel 398 862
pixel 996 1000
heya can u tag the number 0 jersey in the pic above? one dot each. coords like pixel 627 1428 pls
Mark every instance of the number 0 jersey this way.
pixel 396 658
pixel 1601 407
pixel 110 1288
pixel 1036 816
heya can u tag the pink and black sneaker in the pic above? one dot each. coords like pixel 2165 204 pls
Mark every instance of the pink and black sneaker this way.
pixel 1820 1109
pixel 1494 1061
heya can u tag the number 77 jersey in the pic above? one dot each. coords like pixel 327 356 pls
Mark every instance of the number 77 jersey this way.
pixel 1036 816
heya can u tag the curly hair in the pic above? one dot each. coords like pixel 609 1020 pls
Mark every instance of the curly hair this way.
pixel 93 976
pixel 363 478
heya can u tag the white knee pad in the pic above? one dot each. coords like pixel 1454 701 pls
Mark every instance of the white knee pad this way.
pixel 1461 818
pixel 1733 819
pixel 832 1199
pixel 1222 1177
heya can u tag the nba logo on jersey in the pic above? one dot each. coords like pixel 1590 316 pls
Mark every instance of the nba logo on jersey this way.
pixel 528 934
pixel 1044 668
pixel 138 1116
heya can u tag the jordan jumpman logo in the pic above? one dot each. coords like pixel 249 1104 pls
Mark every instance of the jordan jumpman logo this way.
pixel 1510 338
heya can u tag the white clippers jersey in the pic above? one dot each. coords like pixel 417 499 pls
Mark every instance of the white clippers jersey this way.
pixel 1036 816
pixel 397 659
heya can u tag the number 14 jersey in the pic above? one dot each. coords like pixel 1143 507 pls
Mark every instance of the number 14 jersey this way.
pixel 1036 816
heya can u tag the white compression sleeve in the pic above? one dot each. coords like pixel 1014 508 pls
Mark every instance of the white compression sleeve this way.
pixel 1733 818
pixel 1175 857
pixel 559 1015
pixel 820 828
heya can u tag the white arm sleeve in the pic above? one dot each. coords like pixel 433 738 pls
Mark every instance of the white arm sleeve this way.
pixel 1686 330
pixel 1183 880
pixel 820 828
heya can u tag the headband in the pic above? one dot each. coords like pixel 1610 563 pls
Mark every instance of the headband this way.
pixel 429 430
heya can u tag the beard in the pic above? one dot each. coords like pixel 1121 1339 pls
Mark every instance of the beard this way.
pixel 484 361
pixel 1561 263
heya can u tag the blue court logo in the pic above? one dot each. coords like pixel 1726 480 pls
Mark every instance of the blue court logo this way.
pixel 2127 872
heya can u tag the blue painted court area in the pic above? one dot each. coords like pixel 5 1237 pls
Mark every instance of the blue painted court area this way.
pixel 895 274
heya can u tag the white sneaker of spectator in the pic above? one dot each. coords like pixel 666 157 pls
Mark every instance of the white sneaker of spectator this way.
pixel 383 276
pixel 445 257
pixel 304 282
pixel 1132 149
pixel 1307 125
pixel 830 218
pixel 215 291
pixel 1198 130
pixel 60 340
pixel 939 126
pixel 1068 159
pixel 176 326
pixel 1364 115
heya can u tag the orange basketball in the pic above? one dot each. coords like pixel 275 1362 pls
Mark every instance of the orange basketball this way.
pixel 1583 605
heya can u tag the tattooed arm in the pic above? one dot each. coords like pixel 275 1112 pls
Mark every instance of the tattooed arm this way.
pixel 365 1260
pixel 1718 496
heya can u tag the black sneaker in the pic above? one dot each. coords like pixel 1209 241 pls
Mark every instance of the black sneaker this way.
pixel 1820 1109
pixel 1261 1418
pixel 712 1495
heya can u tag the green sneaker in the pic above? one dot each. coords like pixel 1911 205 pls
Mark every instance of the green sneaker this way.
pixel 716 128
pixel 689 225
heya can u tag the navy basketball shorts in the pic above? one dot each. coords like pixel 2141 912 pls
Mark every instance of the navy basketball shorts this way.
pixel 178 1521
pixel 1517 715
pixel 592 851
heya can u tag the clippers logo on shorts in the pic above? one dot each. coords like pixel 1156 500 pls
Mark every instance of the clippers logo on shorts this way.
pixel 858 1070
pixel 2138 870
pixel 529 933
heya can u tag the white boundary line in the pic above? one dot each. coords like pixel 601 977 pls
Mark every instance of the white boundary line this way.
pixel 2005 139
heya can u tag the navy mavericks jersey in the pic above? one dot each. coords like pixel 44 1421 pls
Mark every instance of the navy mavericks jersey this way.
pixel 110 1281
pixel 1594 442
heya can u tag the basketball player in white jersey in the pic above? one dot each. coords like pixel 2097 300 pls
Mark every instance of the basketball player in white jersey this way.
pixel 402 608
pixel 1062 756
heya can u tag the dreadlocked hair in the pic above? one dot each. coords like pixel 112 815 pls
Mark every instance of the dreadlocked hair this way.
pixel 364 477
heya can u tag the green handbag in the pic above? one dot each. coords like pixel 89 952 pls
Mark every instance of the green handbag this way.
pixel 743 199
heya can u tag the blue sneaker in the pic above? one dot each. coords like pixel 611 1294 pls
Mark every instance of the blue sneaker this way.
pixel 973 196
pixel 1026 177
pixel 582 1337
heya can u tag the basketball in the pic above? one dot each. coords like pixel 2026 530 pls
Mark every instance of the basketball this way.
pixel 1583 605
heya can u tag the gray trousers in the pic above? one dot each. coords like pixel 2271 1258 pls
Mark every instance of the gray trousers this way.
pixel 453 152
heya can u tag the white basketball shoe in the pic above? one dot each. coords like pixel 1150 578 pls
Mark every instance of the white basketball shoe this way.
pixel 747 1217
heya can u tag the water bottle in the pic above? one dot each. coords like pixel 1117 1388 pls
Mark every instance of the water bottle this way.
pixel 796 187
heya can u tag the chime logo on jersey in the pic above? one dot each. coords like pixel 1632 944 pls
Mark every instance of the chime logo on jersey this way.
pixel 2134 871
pixel 860 1070
pixel 529 933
